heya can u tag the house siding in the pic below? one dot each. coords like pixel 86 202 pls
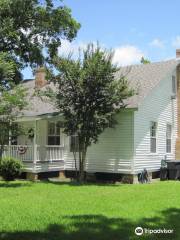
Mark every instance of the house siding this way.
pixel 113 152
pixel 126 148
pixel 41 133
pixel 158 107
pixel 178 114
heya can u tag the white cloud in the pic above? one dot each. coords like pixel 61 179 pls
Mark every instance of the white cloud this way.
pixel 176 42
pixel 123 55
pixel 74 48
pixel 127 55
pixel 157 43
pixel 67 48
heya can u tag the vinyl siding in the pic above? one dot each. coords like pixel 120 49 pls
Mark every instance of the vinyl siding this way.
pixel 160 108
pixel 126 148
pixel 42 129
pixel 41 133
pixel 114 150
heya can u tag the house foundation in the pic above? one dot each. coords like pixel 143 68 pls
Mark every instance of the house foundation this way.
pixel 129 178
pixel 62 175
pixel 114 177
pixel 92 177
pixel 32 176
pixel 45 175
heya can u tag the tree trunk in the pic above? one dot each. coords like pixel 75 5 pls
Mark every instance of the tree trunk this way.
pixel 1 152
pixel 81 174
pixel 75 161
pixel 82 160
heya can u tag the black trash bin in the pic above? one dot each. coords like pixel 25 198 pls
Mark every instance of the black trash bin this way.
pixel 163 173
pixel 173 169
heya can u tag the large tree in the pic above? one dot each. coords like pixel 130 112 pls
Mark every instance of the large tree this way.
pixel 145 61
pixel 30 27
pixel 12 101
pixel 30 34
pixel 89 96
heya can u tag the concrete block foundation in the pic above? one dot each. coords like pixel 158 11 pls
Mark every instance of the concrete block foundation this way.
pixel 32 176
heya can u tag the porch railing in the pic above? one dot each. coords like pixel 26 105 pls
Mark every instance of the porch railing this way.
pixel 31 153
pixel 54 153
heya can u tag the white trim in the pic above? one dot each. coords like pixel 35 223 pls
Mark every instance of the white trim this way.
pixel 156 137
pixel 35 142
pixel 59 146
pixel 170 124
pixel 40 117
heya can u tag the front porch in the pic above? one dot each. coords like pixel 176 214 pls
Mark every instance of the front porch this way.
pixel 41 146
pixel 37 158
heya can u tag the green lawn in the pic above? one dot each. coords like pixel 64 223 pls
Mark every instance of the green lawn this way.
pixel 56 211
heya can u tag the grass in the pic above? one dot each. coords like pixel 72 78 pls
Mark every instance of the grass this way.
pixel 57 211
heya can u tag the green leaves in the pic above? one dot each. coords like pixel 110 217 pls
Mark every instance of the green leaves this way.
pixel 12 98
pixel 12 101
pixel 89 96
pixel 144 60
pixel 9 71
pixel 10 168
pixel 29 26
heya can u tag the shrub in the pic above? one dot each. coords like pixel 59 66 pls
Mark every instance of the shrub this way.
pixel 10 168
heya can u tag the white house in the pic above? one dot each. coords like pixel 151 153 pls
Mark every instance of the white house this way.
pixel 146 132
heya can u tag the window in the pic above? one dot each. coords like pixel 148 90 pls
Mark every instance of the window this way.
pixel 174 84
pixel 153 140
pixel 168 138
pixel 74 143
pixel 53 133
pixel 14 140
pixel 13 136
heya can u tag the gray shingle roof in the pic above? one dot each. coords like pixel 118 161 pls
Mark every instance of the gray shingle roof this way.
pixel 142 78
pixel 37 105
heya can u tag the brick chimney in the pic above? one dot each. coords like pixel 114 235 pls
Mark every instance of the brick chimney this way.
pixel 177 53
pixel 40 77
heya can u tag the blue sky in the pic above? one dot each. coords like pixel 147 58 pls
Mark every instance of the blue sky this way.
pixel 132 28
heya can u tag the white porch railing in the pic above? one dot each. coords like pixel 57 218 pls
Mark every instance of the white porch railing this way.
pixel 26 153
pixel 54 153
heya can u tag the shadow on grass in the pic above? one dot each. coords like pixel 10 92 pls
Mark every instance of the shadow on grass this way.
pixel 26 183
pixel 15 184
pixel 99 227
pixel 78 184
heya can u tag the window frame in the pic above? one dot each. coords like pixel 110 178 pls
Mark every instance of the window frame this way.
pixel 152 138
pixel 55 134
pixel 75 147
pixel 168 138
pixel 174 84
pixel 13 139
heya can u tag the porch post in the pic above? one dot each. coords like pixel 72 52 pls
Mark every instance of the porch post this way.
pixel 9 142
pixel 35 142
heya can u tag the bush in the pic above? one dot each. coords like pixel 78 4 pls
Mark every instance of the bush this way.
pixel 10 168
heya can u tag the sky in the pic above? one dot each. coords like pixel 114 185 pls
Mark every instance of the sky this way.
pixel 131 28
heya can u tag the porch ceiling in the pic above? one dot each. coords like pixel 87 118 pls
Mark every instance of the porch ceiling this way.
pixel 39 117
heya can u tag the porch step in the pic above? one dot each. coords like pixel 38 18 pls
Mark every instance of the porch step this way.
pixel 59 179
